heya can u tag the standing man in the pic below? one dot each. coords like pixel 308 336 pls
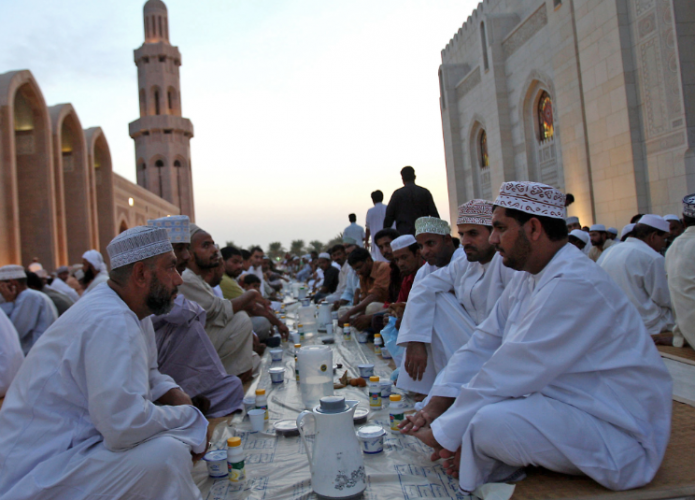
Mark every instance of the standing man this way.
pixel 676 228
pixel 354 231
pixel 95 271
pixel 31 312
pixel 638 268
pixel 408 204
pixel 375 223
pixel 680 267
pixel 600 242
pixel 80 419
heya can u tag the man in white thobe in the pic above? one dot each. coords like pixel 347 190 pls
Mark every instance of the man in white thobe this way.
pixel 375 223
pixel 463 294
pixel 59 283
pixel 638 268
pixel 339 256
pixel 600 242
pixel 577 390
pixel 437 249
pixel 680 268
pixel 79 420
pixel 30 311
pixel 95 271
pixel 11 355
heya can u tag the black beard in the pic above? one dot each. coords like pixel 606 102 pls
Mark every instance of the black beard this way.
pixel 89 275
pixel 160 300
pixel 203 265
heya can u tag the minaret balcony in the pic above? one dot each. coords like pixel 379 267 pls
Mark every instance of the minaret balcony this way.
pixel 160 122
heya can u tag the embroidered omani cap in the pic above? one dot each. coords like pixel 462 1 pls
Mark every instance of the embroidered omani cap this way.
pixel 136 244
pixel 430 225
pixel 475 212
pixel 12 272
pixel 533 198
pixel 177 227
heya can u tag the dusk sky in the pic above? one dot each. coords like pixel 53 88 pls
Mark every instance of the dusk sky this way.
pixel 301 108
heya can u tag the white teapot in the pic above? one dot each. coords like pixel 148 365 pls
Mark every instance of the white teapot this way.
pixel 336 464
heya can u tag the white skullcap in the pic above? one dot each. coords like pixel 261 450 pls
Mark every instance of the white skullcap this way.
pixel 194 228
pixel 612 230
pixel 306 256
pixel 324 255
pixel 63 269
pixel 533 198
pixel 572 220
pixel 655 221
pixel 177 226
pixel 580 235
pixel 671 217
pixel 626 230
pixel 35 267
pixel 136 244
pixel 12 272
pixel 95 259
pixel 689 205
pixel 598 227
pixel 475 212
pixel 406 240
pixel 430 225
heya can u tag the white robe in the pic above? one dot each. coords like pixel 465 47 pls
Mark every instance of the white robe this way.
pixel 31 314
pixel 79 420
pixel 449 324
pixel 342 283
pixel 641 273
pixel 11 356
pixel 375 223
pixel 578 389
pixel 680 268
pixel 62 287
pixel 101 277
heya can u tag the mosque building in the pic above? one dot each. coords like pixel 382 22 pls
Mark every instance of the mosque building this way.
pixel 595 97
pixel 59 195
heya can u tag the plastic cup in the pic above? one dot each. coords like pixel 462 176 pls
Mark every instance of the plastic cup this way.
pixel 277 375
pixel 257 417
pixel 329 328
pixel 366 371
pixel 249 403
pixel 276 354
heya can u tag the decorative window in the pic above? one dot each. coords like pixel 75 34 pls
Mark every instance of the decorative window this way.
pixel 546 126
pixel 177 163
pixel 156 102
pixel 171 100
pixel 484 159
pixel 159 164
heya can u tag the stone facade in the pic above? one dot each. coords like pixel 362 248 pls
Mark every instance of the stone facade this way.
pixel 620 75
pixel 59 195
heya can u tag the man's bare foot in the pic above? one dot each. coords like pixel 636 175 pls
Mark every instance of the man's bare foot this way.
pixel 452 461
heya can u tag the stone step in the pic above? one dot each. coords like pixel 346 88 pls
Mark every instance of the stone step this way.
pixel 680 362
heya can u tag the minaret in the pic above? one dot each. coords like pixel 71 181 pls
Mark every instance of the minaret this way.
pixel 162 136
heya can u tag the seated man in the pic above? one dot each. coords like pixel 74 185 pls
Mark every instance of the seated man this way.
pixel 577 390
pixel 406 255
pixel 573 223
pixel 226 323
pixel 95 271
pixel 80 419
pixel 331 277
pixel 339 257
pixel 374 284
pixel 680 267
pixel 436 245
pixel 61 301
pixel 184 351
pixel 11 356
pixel 233 267
pixel 31 312
pixel 638 268
pixel 60 284
pixel 351 281
pixel 600 242
pixel 447 305
pixel 581 240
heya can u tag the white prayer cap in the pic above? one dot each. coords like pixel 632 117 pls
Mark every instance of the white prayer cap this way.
pixel 95 259
pixel 580 235
pixel 598 227
pixel 533 198
pixel 63 269
pixel 626 230
pixel 655 221
pixel 324 255
pixel 671 217
pixel 177 226
pixel 406 240
pixel 34 267
pixel 689 205
pixel 12 272
pixel 475 212
pixel 136 244
pixel 612 230
pixel 349 241
pixel 572 220
pixel 429 225
pixel 306 256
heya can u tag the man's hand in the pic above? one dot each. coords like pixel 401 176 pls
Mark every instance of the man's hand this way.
pixel 362 322
pixel 8 291
pixel 343 319
pixel 415 359
pixel 284 331
pixel 416 421
pixel 175 397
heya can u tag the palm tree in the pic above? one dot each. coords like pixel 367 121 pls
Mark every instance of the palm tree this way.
pixel 316 246
pixel 275 250
pixel 297 247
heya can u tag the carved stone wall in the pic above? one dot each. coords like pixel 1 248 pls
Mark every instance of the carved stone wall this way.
pixel 525 31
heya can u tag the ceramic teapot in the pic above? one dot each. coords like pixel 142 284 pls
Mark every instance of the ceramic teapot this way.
pixel 335 461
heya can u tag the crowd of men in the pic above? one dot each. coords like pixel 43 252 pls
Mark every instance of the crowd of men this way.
pixel 527 340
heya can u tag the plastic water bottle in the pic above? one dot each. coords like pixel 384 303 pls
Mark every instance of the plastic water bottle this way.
pixel 235 460
pixel 346 331
pixel 377 343
pixel 296 361
pixel 262 402
pixel 374 393
pixel 396 414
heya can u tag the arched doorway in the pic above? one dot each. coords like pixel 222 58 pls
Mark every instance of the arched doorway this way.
pixel 100 165
pixel 122 227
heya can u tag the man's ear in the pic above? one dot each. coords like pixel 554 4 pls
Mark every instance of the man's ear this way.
pixel 535 229
pixel 141 275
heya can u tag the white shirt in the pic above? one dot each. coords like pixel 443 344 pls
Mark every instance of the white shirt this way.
pixel 89 383
pixel 476 286
pixel 680 268
pixel 258 271
pixel 62 287
pixel 11 355
pixel 355 232
pixel 101 277
pixel 31 313
pixel 375 223
pixel 641 273
pixel 593 355
pixel 427 269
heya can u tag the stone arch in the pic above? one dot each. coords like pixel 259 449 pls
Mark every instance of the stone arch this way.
pixel 122 225
pixel 75 211
pixel 143 102
pixel 543 158
pixel 100 166
pixel 157 176
pixel 156 100
pixel 27 190
pixel 173 102
pixel 180 174
pixel 141 171
pixel 482 176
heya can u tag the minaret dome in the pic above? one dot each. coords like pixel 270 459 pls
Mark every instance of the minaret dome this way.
pixel 156 22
